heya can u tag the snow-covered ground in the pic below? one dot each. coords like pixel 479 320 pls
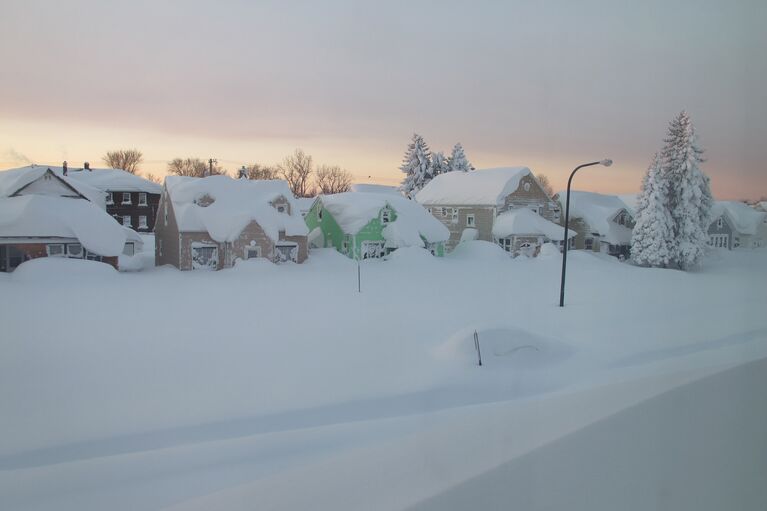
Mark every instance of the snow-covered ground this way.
pixel 282 387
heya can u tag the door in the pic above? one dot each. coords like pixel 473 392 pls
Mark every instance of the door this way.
pixel 204 257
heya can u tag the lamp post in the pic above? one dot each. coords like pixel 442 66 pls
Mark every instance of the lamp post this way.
pixel 606 162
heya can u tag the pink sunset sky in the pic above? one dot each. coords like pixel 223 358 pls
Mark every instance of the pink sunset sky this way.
pixel 517 83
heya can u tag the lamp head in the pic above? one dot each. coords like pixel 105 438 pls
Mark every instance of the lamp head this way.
pixel 606 162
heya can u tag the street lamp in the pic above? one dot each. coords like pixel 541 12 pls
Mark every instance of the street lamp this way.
pixel 606 162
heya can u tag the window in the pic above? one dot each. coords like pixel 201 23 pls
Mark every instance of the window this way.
pixel 469 220
pixel 129 249
pixel 126 220
pixel 110 198
pixel 527 187
pixel 454 214
pixel 252 252
pixel 142 222
pixel 719 223
pixel 589 243
pixel 204 257
pixel 345 245
pixel 505 244
pixel 75 250
pixel 141 199
pixel 126 198
pixel 281 209
pixel 385 216
pixel 444 211
pixel 319 213
pixel 55 250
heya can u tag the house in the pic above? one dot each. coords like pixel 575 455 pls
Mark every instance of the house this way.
pixel 374 188
pixel 209 223
pixel 761 206
pixel 43 214
pixel 523 232
pixel 737 225
pixel 604 222
pixel 470 203
pixel 371 225
pixel 130 199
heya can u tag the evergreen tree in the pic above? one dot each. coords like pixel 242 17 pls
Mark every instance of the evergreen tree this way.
pixel 458 161
pixel 652 242
pixel 688 197
pixel 416 165
pixel 439 163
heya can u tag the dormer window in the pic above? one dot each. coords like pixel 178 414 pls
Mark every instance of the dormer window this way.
pixel 526 186
pixel 281 205
pixel 385 216
pixel 204 200
pixel 126 198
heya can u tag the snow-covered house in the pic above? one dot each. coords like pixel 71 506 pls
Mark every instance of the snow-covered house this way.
pixel 761 206
pixel 603 222
pixel 375 188
pixel 737 225
pixel 523 232
pixel 43 214
pixel 130 199
pixel 370 225
pixel 470 203
pixel 209 223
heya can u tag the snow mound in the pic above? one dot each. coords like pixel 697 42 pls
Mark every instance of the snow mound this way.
pixel 505 346
pixel 522 221
pixel 56 268
pixel 479 250
pixel 548 251
pixel 410 255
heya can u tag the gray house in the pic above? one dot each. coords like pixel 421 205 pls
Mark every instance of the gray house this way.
pixel 470 204
pixel 209 223
pixel 737 225
pixel 604 223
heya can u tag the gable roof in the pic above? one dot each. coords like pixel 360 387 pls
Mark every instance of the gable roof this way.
pixel 354 210
pixel 50 216
pixel 106 180
pixel 480 187
pixel 237 202
pixel 520 221
pixel 16 180
pixel 598 211
pixel 744 219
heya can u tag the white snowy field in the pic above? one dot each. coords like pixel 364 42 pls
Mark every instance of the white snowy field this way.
pixel 282 387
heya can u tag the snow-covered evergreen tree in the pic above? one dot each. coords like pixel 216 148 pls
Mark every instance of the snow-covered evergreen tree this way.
pixel 689 197
pixel 416 165
pixel 652 242
pixel 439 163
pixel 458 160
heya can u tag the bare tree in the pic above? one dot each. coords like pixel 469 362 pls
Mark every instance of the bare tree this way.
pixel 296 169
pixel 333 179
pixel 257 171
pixel 543 180
pixel 125 159
pixel 153 178
pixel 193 167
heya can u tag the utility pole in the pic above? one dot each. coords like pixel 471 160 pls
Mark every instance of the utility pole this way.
pixel 210 165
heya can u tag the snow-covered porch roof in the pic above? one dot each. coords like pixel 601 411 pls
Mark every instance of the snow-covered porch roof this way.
pixel 524 222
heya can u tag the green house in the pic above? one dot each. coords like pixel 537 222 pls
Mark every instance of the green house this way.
pixel 370 225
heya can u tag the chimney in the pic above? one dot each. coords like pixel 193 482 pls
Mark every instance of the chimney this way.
pixel 86 166
pixel 64 167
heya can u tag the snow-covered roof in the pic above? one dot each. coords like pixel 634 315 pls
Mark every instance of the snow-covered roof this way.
pixel 598 211
pixel 373 188
pixel 236 202
pixel 62 217
pixel 13 180
pixel 630 200
pixel 522 221
pixel 106 180
pixel 479 187
pixel 353 211
pixel 305 203
pixel 745 219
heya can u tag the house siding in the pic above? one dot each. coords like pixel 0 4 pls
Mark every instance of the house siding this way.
pixel 167 237
pixel 725 230
pixel 119 210
pixel 31 251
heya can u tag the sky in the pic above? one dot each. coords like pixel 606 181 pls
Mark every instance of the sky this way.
pixel 544 84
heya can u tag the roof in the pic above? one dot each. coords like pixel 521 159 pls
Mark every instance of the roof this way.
pixel 479 187
pixel 62 217
pixel 745 219
pixel 354 210
pixel 106 180
pixel 630 200
pixel 598 210
pixel 522 221
pixel 13 180
pixel 237 202
pixel 373 188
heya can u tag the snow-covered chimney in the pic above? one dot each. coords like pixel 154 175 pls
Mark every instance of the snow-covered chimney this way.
pixel 86 166
pixel 64 167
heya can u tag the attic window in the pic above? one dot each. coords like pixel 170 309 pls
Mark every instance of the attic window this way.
pixel 527 187
pixel 204 201
pixel 281 208
pixel 385 216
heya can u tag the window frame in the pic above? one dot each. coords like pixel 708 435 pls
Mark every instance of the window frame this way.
pixel 129 224
pixel 60 245
pixel 471 220
pixel 126 202
pixel 143 199
pixel 145 223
